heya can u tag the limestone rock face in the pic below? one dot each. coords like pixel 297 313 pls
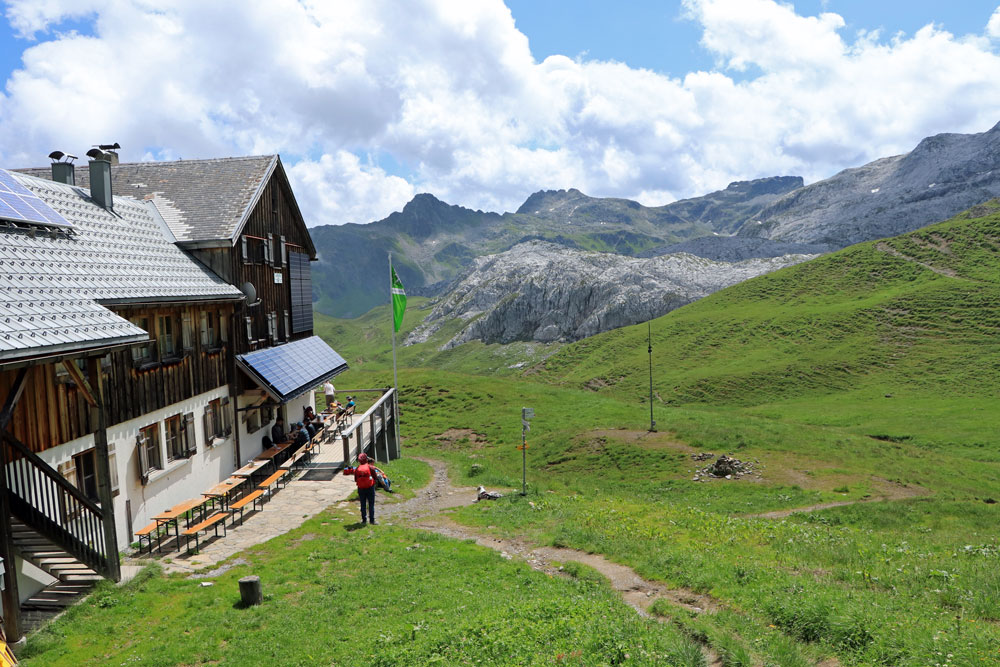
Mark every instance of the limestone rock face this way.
pixel 544 292
pixel 941 177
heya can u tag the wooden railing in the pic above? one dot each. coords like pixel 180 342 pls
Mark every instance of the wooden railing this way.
pixel 373 431
pixel 41 498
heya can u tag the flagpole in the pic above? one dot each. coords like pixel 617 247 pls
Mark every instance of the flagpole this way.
pixel 395 376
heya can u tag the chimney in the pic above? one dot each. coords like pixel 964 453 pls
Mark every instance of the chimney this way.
pixel 100 178
pixel 63 170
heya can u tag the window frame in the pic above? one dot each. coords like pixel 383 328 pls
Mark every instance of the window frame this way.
pixel 149 449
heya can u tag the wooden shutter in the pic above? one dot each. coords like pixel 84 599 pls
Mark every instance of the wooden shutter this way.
pixel 187 330
pixel 279 260
pixel 267 249
pixel 113 468
pixel 227 417
pixel 190 442
pixel 68 470
pixel 143 457
pixel 249 330
pixel 288 326
pixel 245 249
pixel 208 423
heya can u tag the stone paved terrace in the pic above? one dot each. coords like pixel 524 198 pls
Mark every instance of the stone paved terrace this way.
pixel 288 508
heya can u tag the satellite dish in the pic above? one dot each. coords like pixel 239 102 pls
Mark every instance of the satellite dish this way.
pixel 251 293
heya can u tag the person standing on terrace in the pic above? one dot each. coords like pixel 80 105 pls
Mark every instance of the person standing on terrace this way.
pixel 330 392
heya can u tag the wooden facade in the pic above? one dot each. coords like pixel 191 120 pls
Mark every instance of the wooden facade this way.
pixel 53 410
pixel 274 230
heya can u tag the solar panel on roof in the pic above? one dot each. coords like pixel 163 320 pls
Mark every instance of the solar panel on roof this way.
pixel 20 204
pixel 294 367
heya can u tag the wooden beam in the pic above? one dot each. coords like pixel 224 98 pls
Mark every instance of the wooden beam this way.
pixel 99 417
pixel 81 382
pixel 12 398
pixel 11 597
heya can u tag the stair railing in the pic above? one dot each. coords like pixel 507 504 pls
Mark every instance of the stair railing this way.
pixel 41 498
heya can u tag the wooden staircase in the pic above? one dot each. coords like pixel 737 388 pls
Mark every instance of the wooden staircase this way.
pixel 74 580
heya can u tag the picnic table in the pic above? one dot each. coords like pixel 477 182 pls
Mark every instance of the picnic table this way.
pixel 171 515
pixel 222 490
pixel 251 468
pixel 272 451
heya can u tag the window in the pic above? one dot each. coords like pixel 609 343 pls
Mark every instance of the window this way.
pixel 167 337
pixel 249 323
pixel 253 420
pixel 288 326
pixel 187 327
pixel 218 420
pixel 86 473
pixel 208 329
pixel 144 353
pixel 148 446
pixel 180 436
pixel 280 254
pixel 81 472
pixel 223 336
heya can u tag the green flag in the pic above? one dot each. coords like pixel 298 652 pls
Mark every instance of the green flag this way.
pixel 398 300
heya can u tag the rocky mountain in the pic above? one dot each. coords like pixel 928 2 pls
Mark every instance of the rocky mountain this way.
pixel 433 242
pixel 539 291
pixel 944 175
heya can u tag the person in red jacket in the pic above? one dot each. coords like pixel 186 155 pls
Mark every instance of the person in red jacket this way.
pixel 364 476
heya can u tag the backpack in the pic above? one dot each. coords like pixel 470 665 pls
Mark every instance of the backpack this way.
pixel 363 476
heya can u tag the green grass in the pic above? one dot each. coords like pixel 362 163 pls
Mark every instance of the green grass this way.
pixel 385 596
pixel 861 375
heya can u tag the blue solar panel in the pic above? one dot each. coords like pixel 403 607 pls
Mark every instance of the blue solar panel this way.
pixel 293 368
pixel 20 204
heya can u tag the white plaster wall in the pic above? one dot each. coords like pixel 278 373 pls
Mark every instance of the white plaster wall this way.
pixel 180 480
pixel 251 443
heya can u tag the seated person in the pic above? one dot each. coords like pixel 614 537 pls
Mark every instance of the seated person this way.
pixel 311 430
pixel 312 417
pixel 299 436
pixel 278 431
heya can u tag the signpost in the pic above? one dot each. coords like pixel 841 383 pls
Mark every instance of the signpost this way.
pixel 526 415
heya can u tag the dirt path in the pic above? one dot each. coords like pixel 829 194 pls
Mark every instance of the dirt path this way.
pixel 424 512
pixel 889 491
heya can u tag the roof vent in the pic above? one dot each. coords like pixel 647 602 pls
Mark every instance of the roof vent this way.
pixel 100 178
pixel 63 170
pixel 111 150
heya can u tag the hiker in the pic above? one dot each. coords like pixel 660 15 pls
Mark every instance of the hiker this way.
pixel 330 392
pixel 364 476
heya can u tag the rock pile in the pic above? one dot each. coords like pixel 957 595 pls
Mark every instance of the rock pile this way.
pixel 725 467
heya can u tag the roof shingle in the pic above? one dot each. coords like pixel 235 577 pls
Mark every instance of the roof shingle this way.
pixel 53 284
pixel 200 200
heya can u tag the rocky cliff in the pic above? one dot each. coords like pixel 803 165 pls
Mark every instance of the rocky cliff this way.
pixel 545 292
pixel 433 242
pixel 944 175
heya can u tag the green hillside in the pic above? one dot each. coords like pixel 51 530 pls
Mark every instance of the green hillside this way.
pixel 868 374
pixel 894 325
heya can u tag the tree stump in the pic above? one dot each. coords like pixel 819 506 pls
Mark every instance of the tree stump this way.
pixel 250 591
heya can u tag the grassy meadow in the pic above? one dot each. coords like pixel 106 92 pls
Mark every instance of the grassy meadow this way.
pixel 867 376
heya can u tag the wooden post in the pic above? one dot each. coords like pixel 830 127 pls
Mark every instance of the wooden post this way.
pixel 381 417
pixel 250 591
pixel 11 595
pixel 99 417
pixel 347 451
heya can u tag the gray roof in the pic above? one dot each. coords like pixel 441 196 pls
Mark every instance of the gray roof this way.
pixel 201 200
pixel 54 285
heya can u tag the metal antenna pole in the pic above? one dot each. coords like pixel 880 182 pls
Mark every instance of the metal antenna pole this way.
pixel 649 342
pixel 395 377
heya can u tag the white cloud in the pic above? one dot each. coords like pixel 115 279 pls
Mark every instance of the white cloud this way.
pixel 993 27
pixel 448 90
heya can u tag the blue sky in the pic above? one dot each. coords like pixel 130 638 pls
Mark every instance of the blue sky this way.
pixel 655 35
pixel 482 103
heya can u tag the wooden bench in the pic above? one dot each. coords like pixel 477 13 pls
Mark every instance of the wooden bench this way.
pixel 214 521
pixel 149 532
pixel 246 500
pixel 294 459
pixel 275 479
